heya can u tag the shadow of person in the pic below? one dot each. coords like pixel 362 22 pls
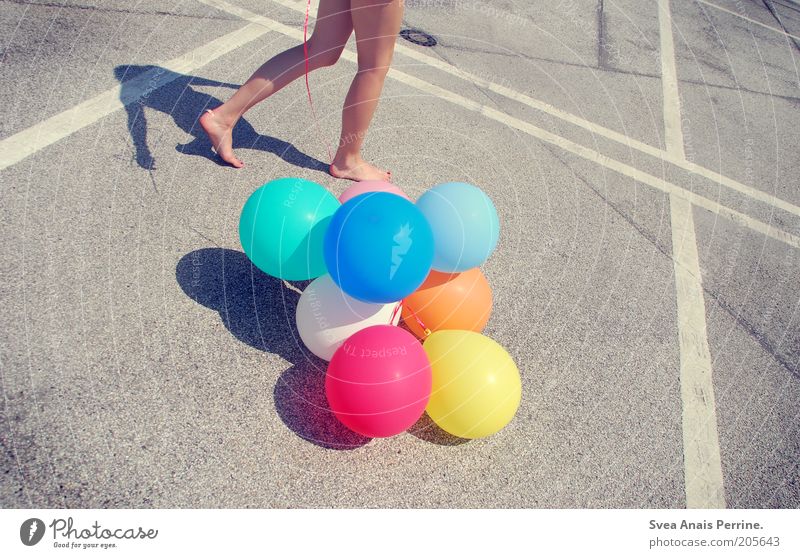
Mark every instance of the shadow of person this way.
pixel 259 310
pixel 172 93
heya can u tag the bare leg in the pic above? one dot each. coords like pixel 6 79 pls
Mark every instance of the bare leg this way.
pixel 376 23
pixel 331 33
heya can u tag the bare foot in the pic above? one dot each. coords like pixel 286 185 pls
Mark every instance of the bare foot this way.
pixel 358 170
pixel 221 137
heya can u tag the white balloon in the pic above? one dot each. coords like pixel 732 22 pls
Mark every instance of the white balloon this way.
pixel 326 316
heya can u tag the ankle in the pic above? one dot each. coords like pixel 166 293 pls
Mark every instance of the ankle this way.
pixel 347 160
pixel 223 117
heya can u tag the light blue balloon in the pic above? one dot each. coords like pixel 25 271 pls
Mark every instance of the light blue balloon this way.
pixel 378 247
pixel 464 224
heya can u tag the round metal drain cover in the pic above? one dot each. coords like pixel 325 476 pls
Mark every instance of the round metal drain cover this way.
pixel 418 37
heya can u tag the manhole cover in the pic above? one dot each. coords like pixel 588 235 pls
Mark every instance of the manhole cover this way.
pixel 418 37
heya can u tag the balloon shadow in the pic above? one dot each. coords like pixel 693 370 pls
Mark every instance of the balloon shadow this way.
pixel 426 429
pixel 302 405
pixel 259 310
pixel 256 308
pixel 172 93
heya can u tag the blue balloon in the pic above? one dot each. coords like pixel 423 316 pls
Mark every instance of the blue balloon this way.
pixel 464 223
pixel 378 247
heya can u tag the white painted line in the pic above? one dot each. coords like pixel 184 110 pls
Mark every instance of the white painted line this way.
pixel 673 133
pixel 753 21
pixel 17 147
pixel 596 157
pixel 701 454
pixel 749 191
pixel 550 110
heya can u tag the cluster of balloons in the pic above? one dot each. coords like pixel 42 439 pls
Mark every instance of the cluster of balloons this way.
pixel 376 257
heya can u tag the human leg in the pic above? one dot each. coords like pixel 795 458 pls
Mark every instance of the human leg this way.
pixel 376 23
pixel 331 32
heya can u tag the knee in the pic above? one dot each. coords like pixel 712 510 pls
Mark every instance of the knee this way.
pixel 322 57
pixel 373 72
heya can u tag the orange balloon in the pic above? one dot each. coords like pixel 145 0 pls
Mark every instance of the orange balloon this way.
pixel 449 301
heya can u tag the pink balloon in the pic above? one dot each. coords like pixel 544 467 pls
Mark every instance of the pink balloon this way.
pixel 371 186
pixel 379 381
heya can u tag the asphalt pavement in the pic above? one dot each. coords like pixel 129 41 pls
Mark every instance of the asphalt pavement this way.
pixel 145 363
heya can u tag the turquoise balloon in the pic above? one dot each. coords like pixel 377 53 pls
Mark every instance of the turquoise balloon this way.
pixel 464 224
pixel 282 228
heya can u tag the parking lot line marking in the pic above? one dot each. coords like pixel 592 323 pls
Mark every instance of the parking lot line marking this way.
pixel 550 110
pixel 703 482
pixel 673 131
pixel 17 147
pixel 594 156
pixel 702 467
pixel 744 17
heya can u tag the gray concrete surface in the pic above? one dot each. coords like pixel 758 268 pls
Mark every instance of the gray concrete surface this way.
pixel 145 364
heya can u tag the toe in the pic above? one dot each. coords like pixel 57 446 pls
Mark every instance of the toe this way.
pixel 233 161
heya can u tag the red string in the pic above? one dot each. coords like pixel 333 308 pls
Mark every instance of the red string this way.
pixel 305 51
pixel 396 310
pixel 308 89
pixel 419 322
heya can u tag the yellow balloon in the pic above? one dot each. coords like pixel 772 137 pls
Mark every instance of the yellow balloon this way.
pixel 476 385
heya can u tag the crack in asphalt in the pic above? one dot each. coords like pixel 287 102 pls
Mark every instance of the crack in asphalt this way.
pixel 602 51
pixel 774 13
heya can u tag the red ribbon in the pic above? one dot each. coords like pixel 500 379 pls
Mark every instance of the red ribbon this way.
pixel 413 315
